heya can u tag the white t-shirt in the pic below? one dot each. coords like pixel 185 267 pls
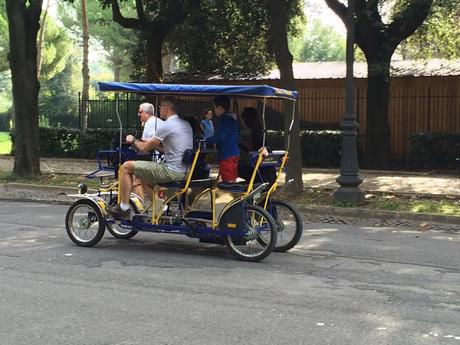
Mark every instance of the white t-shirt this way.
pixel 150 127
pixel 177 137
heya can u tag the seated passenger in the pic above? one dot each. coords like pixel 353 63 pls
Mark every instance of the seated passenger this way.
pixel 174 137
pixel 150 123
pixel 206 124
pixel 226 139
pixel 251 119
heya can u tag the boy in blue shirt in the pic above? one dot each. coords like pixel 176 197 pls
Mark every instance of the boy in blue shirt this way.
pixel 225 137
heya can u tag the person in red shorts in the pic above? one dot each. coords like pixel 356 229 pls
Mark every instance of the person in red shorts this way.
pixel 225 137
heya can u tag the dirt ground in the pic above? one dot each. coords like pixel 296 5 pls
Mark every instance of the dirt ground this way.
pixel 401 182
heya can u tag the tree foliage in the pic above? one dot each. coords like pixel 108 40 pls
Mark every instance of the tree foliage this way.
pixel 318 42
pixel 4 48
pixel 58 101
pixel 117 41
pixel 235 33
pixel 438 36
pixel 5 92
pixel 55 101
pixel 56 50
pixel 155 20
pixel 5 76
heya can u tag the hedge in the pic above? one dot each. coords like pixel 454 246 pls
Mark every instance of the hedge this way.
pixel 5 119
pixel 319 148
pixel 436 150
pixel 75 143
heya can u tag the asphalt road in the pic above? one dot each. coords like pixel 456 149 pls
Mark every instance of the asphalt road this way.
pixel 341 285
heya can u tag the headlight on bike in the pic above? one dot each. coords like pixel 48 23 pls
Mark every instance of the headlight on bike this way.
pixel 82 188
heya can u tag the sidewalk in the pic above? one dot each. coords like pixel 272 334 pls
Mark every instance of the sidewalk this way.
pixel 382 181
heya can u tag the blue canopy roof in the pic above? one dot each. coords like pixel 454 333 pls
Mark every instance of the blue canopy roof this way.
pixel 183 89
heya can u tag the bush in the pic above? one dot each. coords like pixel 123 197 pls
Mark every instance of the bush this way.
pixel 66 142
pixel 320 149
pixel 436 150
pixel 5 119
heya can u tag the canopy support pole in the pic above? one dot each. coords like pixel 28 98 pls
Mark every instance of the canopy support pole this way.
pixel 290 127
pixel 156 111
pixel 263 121
pixel 117 105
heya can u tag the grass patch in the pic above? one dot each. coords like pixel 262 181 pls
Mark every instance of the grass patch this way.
pixel 62 180
pixel 5 143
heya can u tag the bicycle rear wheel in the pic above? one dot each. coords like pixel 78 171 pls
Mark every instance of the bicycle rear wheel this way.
pixel 259 237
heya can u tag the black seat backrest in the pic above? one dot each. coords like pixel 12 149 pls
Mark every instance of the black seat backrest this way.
pixel 187 157
pixel 201 168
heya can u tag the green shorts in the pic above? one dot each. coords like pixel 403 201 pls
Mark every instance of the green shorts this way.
pixel 154 173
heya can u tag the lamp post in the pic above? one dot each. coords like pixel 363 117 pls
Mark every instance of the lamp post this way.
pixel 349 179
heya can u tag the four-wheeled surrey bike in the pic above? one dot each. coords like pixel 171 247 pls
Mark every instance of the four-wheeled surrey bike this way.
pixel 245 217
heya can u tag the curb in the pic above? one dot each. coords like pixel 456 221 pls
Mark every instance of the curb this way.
pixel 379 214
pixel 41 193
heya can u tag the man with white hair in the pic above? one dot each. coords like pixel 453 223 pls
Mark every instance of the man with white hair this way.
pixel 151 124
pixel 148 119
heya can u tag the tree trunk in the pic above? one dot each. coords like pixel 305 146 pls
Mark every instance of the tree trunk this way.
pixel 284 59
pixel 154 60
pixel 85 68
pixel 116 72
pixel 377 150
pixel 24 23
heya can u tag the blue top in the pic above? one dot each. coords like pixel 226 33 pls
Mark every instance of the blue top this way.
pixel 230 90
pixel 208 128
pixel 226 136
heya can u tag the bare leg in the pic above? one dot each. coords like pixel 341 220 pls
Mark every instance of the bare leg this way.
pixel 148 190
pixel 126 184
pixel 137 187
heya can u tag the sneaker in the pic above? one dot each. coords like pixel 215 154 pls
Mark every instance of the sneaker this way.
pixel 118 213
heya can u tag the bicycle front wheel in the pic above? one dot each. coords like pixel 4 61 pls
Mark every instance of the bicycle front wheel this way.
pixel 288 223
